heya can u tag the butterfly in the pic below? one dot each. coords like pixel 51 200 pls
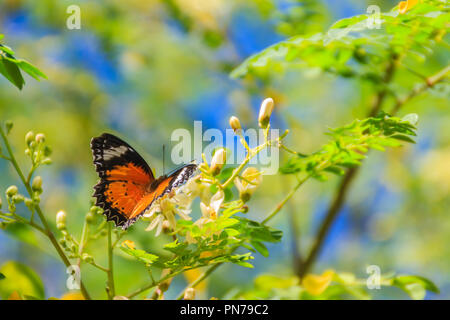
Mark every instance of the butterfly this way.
pixel 127 187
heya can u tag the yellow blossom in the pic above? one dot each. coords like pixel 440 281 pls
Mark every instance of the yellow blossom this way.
pixel 404 6
pixel 72 296
pixel 194 274
pixel 317 284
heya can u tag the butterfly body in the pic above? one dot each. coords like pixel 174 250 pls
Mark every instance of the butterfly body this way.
pixel 127 187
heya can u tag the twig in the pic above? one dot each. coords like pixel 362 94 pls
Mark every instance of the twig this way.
pixel 202 277
pixel 274 212
pixel 47 230
pixel 339 199
pixel 429 82
pixel 111 288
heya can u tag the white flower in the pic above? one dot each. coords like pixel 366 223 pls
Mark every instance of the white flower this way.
pixel 166 208
pixel 196 188
pixel 246 186
pixel 210 211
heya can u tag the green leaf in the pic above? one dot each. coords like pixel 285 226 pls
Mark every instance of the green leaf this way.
pixel 402 137
pixel 11 72
pixel 260 247
pixel 2 276
pixel 31 70
pixel 175 246
pixel 350 143
pixel 244 264
pixel 415 286
pixel 141 255
pixel 22 279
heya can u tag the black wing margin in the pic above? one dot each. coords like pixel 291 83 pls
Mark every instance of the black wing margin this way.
pixel 124 176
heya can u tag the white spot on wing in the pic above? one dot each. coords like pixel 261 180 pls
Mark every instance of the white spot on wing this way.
pixel 109 154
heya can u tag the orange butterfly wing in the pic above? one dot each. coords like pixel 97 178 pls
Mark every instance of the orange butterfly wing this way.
pixel 164 185
pixel 124 177
pixel 127 187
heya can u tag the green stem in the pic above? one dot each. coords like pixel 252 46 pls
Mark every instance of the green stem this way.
pixel 47 231
pixel 285 200
pixel 112 290
pixel 344 186
pixel 274 212
pixel 202 277
pixel 154 284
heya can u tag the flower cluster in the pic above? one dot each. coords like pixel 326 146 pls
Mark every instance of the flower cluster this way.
pixel 208 185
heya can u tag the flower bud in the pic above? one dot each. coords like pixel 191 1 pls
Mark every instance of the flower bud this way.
pixel 63 243
pixel 29 203
pixel 29 138
pixel 46 161
pixel 87 258
pixel 235 124
pixel 11 191
pixel 96 210
pixel 18 198
pixel 189 294
pixel 40 138
pixel 61 220
pixel 1 203
pixel 265 112
pixel 218 160
pixel 89 217
pixel 37 184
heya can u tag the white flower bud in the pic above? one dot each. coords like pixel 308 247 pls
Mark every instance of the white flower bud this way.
pixel 265 112
pixel 40 137
pixel 61 220
pixel 218 161
pixel 11 191
pixel 87 258
pixel 235 124
pixel 189 294
pixel 37 184
pixel 29 138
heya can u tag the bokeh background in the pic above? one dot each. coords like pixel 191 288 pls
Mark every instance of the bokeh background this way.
pixel 141 69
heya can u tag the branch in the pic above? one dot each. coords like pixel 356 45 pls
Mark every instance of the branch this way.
pixel 111 290
pixel 339 199
pixel 46 228
pixel 429 83
pixel 270 216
